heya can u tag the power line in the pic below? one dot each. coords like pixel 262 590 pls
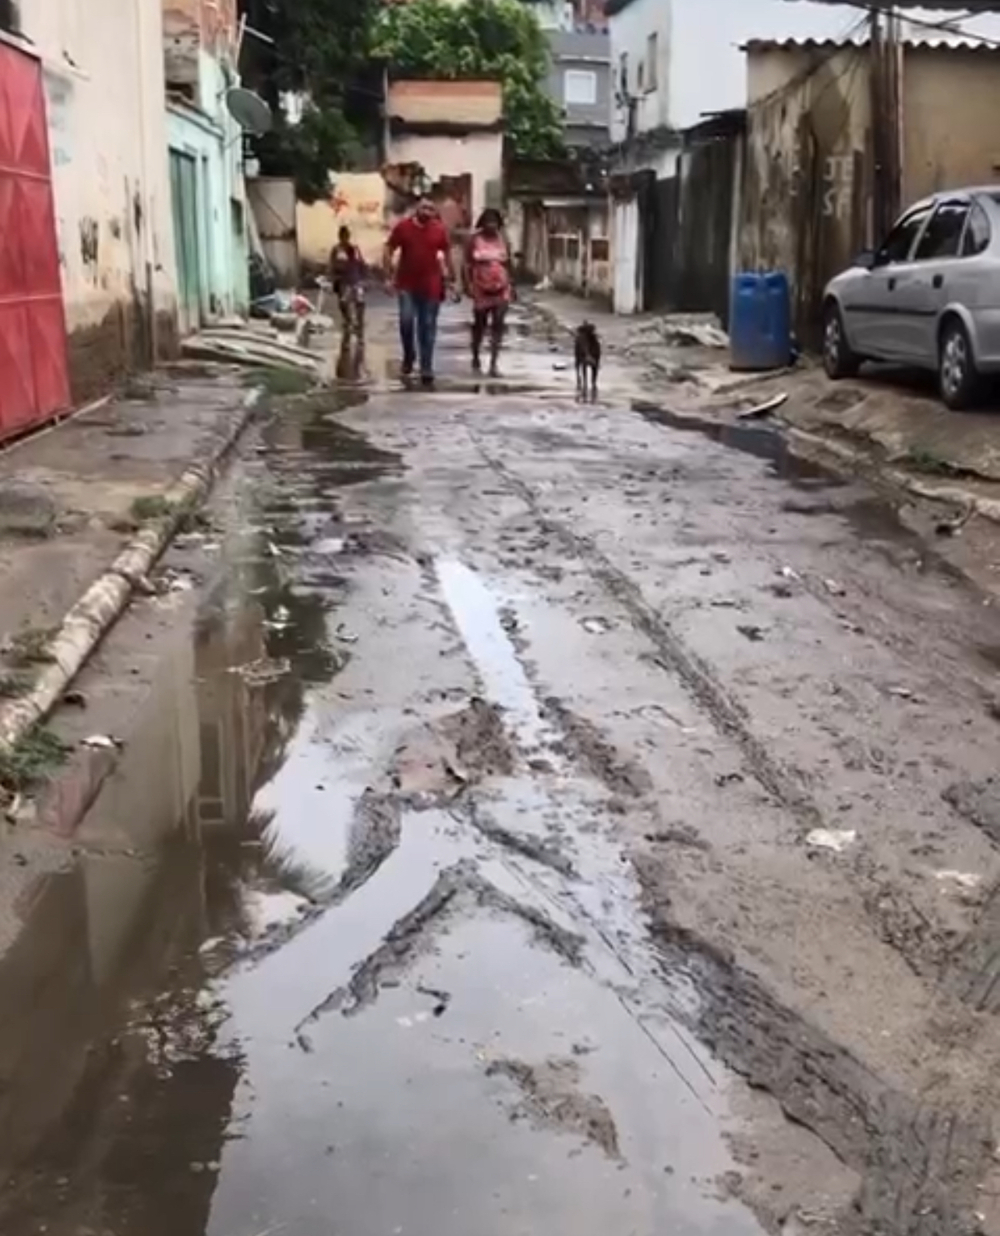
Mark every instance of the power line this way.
pixel 946 26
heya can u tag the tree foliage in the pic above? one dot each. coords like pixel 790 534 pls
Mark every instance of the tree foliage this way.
pixel 318 51
pixel 486 39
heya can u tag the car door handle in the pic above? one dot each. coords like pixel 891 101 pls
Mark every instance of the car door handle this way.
pixel 892 284
pixel 939 281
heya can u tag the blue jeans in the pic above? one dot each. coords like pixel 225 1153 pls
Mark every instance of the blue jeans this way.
pixel 418 319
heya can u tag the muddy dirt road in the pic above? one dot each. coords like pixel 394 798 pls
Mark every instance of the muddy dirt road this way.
pixel 544 820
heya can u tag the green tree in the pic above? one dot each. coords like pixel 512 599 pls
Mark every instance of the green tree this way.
pixel 319 50
pixel 491 39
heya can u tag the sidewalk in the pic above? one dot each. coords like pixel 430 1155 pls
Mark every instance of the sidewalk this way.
pixel 91 493
pixel 891 419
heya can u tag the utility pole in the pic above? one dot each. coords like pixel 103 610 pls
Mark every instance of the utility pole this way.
pixel 885 73
pixel 894 75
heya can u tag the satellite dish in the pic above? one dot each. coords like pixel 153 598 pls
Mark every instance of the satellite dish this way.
pixel 249 110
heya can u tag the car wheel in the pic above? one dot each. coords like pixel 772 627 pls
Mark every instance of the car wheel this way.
pixel 957 371
pixel 838 359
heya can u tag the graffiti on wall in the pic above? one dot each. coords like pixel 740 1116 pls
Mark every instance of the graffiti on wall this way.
pixel 59 97
pixel 838 186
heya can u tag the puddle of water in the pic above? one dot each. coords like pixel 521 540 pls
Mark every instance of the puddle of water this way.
pixel 761 441
pixel 477 616
pixel 162 1075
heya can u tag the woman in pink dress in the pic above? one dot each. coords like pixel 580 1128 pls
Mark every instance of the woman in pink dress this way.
pixel 489 285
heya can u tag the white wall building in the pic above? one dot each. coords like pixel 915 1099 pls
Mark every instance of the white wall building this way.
pixel 674 65
pixel 104 85
pixel 682 59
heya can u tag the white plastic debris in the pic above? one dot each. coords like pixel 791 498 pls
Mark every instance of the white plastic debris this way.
pixel 965 879
pixel 834 588
pixel 761 410
pixel 835 839
pixel 101 742
pixel 596 626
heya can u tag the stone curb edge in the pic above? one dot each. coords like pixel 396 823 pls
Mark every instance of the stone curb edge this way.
pixel 65 800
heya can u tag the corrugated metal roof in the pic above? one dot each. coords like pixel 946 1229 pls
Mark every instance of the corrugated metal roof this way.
pixel 954 43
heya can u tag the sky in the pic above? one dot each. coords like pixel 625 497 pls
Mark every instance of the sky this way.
pixel 709 71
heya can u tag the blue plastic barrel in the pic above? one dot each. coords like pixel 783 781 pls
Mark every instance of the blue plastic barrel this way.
pixel 760 324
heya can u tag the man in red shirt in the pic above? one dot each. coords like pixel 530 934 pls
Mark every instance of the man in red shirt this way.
pixel 424 266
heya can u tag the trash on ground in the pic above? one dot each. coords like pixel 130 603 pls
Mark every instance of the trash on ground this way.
pixel 835 839
pixel 262 671
pixel 953 527
pixel 248 346
pixel 761 410
pixel 752 633
pixel 965 879
pixel 596 626
pixel 280 620
pixel 102 742
pixel 834 588
pixel 688 331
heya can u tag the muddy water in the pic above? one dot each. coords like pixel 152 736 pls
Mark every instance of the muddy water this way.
pixel 383 970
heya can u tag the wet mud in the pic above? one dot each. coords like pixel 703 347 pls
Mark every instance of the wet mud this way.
pixel 551 1096
pixel 470 870
pixel 363 838
pixel 921 1166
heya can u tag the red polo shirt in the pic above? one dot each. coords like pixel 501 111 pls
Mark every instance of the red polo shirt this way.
pixel 419 245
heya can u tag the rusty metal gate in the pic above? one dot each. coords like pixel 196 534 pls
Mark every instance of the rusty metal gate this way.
pixel 34 383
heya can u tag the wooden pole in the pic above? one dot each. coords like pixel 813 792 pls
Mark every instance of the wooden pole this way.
pixel 894 73
pixel 876 73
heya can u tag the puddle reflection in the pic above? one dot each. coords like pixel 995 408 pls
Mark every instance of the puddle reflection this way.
pixel 115 1097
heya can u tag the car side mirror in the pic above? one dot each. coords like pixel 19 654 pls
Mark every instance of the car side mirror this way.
pixel 867 260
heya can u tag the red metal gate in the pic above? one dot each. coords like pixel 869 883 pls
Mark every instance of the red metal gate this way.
pixel 34 383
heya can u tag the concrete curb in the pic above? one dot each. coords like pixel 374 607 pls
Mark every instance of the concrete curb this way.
pixel 93 615
pixel 841 455
pixel 976 504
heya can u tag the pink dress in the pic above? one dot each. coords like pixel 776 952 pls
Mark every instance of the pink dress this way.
pixel 488 257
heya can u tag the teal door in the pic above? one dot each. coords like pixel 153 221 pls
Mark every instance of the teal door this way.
pixel 184 195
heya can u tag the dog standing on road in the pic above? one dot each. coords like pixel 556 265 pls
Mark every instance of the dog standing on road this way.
pixel 588 358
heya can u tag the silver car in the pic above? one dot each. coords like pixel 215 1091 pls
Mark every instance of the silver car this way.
pixel 929 297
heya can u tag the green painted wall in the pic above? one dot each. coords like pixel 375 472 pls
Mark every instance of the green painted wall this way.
pixel 210 137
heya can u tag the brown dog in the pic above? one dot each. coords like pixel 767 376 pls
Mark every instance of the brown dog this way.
pixel 588 358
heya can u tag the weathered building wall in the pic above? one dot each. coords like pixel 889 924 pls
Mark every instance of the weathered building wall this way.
pixel 453 130
pixel 951 101
pixel 641 65
pixel 806 182
pixel 477 155
pixel 200 52
pixel 358 201
pixel 577 246
pixel 688 222
pixel 107 130
pixel 579 84
pixel 273 203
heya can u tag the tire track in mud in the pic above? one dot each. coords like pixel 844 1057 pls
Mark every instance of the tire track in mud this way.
pixel 456 887
pixel 920 1165
pixel 972 973
pixel 728 716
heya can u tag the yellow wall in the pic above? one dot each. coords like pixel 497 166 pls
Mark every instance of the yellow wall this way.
pixel 951 99
pixel 359 202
